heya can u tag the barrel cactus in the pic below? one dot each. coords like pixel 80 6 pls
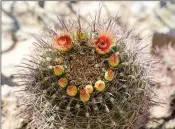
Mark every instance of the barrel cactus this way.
pixel 166 69
pixel 86 75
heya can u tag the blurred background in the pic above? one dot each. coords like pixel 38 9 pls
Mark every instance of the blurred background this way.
pixel 153 20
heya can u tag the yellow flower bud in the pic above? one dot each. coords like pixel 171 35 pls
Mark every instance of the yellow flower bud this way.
pixel 114 59
pixel 109 75
pixel 71 90
pixel 62 82
pixel 81 35
pixel 84 96
pixel 59 60
pixel 100 85
pixel 89 89
pixel 58 70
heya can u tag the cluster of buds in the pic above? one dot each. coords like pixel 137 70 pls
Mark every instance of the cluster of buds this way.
pixel 103 45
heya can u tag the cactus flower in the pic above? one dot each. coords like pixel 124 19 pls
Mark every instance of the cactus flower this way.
pixel 103 43
pixel 109 75
pixel 84 96
pixel 58 70
pixel 63 42
pixel 89 89
pixel 62 82
pixel 71 90
pixel 100 85
pixel 114 59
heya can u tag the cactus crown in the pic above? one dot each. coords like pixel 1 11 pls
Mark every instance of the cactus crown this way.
pixel 85 77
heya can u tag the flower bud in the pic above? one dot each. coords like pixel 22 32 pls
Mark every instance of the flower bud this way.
pixel 84 97
pixel 89 89
pixel 81 36
pixel 100 85
pixel 71 90
pixel 109 75
pixel 58 70
pixel 114 59
pixel 62 82
pixel 59 60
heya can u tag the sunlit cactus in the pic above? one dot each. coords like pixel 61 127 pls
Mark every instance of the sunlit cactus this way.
pixel 86 76
pixel 166 69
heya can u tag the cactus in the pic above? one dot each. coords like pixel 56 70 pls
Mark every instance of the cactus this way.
pixel 166 66
pixel 165 71
pixel 85 76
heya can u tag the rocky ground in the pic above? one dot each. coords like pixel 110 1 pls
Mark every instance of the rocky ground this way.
pixel 21 18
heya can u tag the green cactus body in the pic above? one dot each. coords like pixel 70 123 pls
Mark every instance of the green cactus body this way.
pixel 117 101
